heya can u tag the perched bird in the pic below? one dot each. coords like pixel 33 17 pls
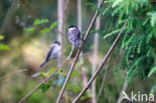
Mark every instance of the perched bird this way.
pixel 53 53
pixel 74 35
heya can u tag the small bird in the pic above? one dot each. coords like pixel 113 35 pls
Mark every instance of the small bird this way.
pixel 74 35
pixel 54 53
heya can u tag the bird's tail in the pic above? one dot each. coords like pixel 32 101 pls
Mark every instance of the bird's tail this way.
pixel 43 64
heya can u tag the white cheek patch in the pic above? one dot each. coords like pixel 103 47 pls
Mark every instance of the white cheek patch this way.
pixel 71 29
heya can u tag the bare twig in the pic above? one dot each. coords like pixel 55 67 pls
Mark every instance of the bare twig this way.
pixel 42 82
pixel 71 52
pixel 45 80
pixel 125 85
pixel 101 65
pixel 77 55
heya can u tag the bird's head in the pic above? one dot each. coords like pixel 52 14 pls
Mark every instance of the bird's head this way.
pixel 72 27
pixel 56 42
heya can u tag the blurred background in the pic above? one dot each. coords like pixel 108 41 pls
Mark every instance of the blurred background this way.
pixel 29 27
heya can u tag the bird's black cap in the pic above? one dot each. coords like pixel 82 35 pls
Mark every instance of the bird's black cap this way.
pixel 56 42
pixel 73 26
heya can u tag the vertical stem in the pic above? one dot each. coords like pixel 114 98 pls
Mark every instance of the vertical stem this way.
pixel 125 85
pixel 79 23
pixel 95 57
pixel 77 55
pixel 101 65
pixel 60 27
pixel 62 18
pixel 79 14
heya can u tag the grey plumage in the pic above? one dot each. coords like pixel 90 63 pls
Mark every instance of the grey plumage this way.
pixel 74 35
pixel 53 53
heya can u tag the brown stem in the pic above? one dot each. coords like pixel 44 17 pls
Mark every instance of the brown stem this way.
pixel 77 55
pixel 125 85
pixel 42 82
pixel 101 65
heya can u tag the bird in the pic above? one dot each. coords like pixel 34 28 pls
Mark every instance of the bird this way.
pixel 54 53
pixel 74 35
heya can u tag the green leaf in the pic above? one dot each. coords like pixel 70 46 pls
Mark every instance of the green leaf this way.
pixel 51 71
pixel 1 37
pixel 153 70
pixel 40 21
pixel 31 29
pixel 37 21
pixel 45 87
pixel 74 89
pixel 75 73
pixel 152 17
pixel 110 34
pixel 53 25
pixel 117 2
pixel 45 30
pixel 44 74
pixel 4 47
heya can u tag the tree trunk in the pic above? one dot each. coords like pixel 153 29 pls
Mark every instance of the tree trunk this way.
pixel 95 57
pixel 62 18
pixel 79 23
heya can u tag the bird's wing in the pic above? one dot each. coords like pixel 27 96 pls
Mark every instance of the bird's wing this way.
pixel 79 35
pixel 49 54
pixel 74 35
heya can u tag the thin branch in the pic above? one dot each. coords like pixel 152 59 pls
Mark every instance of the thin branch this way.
pixel 101 65
pixel 42 82
pixel 102 85
pixel 45 80
pixel 125 85
pixel 71 52
pixel 77 55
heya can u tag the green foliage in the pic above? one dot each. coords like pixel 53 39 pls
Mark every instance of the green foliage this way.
pixel 31 29
pixel 40 21
pixel 139 38
pixel 44 74
pixel 40 26
pixel 3 46
pixel 45 87
pixel 153 70
pixel 53 25
pixel 153 18
pixel 1 37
